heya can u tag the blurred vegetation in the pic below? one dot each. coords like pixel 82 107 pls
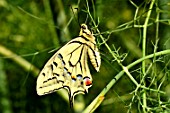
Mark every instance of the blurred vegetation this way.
pixel 32 30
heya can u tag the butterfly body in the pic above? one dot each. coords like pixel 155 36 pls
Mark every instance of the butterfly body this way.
pixel 68 67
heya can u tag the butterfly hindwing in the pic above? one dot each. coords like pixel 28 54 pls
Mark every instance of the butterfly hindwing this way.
pixel 68 67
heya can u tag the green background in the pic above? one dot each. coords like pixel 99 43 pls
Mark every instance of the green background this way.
pixel 35 29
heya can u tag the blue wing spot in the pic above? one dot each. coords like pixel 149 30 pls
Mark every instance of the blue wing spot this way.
pixel 63 63
pixel 79 76
pixel 60 56
pixel 73 79
pixel 65 70
pixel 68 73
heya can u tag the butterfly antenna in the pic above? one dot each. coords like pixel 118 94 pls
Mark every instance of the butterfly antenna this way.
pixel 75 15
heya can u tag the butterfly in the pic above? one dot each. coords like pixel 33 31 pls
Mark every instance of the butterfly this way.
pixel 68 67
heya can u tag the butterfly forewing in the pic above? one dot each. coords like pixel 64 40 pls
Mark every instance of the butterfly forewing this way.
pixel 68 67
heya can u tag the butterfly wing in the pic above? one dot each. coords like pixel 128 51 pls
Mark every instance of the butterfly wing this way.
pixel 68 68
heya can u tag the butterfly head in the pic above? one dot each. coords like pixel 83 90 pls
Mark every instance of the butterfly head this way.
pixel 86 33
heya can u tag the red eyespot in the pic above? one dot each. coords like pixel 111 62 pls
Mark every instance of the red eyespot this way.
pixel 87 81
